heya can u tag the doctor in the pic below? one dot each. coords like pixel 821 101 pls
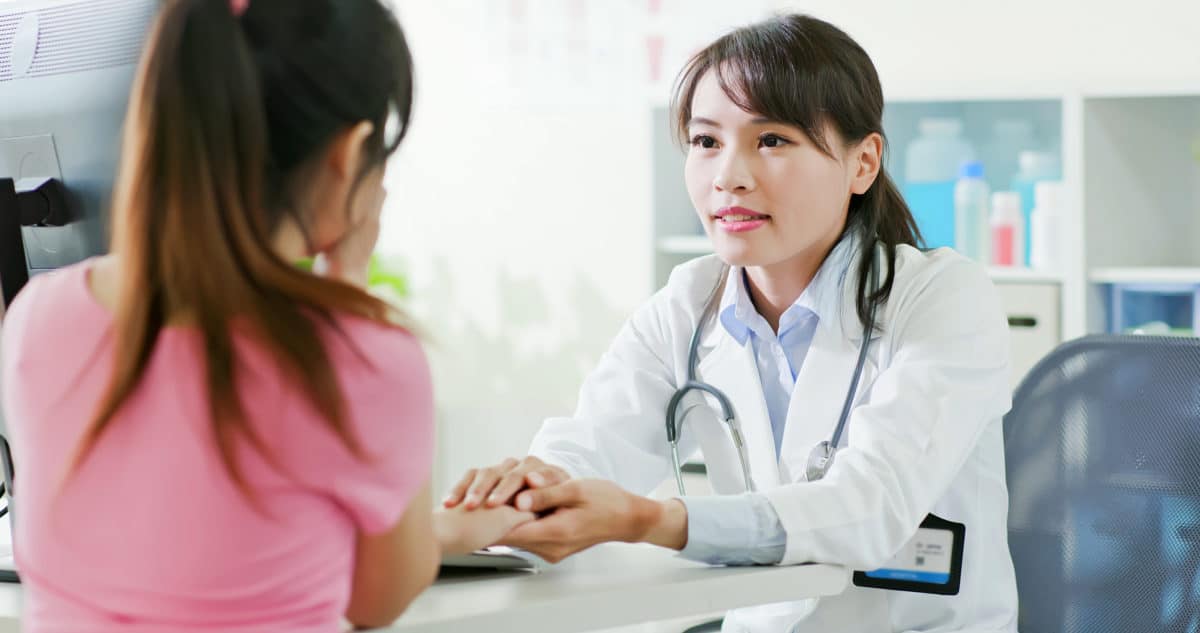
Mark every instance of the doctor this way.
pixel 816 261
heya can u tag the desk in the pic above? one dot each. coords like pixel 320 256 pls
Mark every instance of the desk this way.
pixel 608 586
pixel 611 585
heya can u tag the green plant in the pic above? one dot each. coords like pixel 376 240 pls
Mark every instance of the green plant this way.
pixel 380 276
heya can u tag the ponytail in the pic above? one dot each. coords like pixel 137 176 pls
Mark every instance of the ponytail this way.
pixel 208 164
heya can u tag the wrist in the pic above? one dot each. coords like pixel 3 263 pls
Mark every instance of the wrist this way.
pixel 446 532
pixel 663 523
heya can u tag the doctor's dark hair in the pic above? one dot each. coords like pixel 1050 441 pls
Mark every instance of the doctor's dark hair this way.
pixel 803 72
pixel 227 117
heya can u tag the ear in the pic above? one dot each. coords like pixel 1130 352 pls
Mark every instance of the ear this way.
pixel 346 150
pixel 866 158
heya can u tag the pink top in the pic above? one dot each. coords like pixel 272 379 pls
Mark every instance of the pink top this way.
pixel 151 534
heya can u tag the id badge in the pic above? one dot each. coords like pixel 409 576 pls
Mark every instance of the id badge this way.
pixel 931 562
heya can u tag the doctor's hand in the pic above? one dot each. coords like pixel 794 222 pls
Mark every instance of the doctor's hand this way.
pixel 586 512
pixel 500 483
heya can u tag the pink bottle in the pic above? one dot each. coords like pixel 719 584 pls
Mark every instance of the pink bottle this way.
pixel 1007 229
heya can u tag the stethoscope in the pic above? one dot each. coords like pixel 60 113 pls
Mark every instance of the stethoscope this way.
pixel 821 457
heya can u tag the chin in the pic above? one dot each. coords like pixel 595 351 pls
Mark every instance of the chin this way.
pixel 737 255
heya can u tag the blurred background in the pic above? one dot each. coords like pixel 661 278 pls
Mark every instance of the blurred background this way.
pixel 539 197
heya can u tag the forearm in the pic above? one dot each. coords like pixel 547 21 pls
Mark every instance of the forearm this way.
pixel 733 530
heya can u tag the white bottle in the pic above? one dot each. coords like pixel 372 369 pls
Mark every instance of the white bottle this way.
pixel 1008 229
pixel 1045 235
pixel 971 231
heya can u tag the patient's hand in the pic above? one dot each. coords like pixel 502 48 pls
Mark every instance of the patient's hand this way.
pixel 500 483
pixel 460 531
pixel 585 512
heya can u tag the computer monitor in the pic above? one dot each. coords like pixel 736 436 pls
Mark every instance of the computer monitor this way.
pixel 66 68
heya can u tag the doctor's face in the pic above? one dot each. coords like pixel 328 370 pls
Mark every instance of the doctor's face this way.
pixel 765 193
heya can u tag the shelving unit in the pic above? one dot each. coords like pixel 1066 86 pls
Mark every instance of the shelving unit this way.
pixel 1145 275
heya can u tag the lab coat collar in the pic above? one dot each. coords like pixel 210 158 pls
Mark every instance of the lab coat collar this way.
pixel 832 296
pixel 824 379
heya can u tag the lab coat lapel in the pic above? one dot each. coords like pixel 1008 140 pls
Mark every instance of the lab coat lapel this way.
pixel 824 378
pixel 730 367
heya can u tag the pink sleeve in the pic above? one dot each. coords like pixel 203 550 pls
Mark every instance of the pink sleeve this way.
pixel 389 405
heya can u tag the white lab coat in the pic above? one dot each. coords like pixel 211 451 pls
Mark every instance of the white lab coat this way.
pixel 924 435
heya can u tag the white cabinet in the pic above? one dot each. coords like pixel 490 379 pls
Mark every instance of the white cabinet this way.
pixel 1033 322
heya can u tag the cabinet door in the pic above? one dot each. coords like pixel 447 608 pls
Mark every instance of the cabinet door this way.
pixel 1034 323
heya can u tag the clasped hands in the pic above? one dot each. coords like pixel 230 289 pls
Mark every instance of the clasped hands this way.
pixel 566 515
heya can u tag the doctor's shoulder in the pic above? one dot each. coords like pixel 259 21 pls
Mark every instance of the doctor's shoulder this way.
pixel 670 315
pixel 691 283
pixel 944 286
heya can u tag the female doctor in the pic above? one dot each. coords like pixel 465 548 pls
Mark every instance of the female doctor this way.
pixel 816 312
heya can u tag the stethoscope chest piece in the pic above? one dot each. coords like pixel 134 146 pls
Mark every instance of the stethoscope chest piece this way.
pixel 819 460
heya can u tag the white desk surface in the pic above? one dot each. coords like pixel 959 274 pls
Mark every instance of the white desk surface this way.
pixel 608 586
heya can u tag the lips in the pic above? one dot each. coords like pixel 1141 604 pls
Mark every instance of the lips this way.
pixel 739 214
pixel 739 219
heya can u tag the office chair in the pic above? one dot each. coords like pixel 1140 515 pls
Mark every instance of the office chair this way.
pixel 1102 449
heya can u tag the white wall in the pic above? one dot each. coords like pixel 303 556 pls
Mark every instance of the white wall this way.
pixel 524 226
pixel 931 47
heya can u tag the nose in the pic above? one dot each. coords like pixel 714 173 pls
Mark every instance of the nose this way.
pixel 734 174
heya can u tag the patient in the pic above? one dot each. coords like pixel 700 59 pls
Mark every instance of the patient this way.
pixel 208 438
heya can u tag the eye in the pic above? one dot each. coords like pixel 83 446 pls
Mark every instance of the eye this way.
pixel 703 141
pixel 772 140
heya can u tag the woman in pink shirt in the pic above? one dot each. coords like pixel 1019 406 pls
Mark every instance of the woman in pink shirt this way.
pixel 208 438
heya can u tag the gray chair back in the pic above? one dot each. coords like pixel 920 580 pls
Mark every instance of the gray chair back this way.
pixel 1103 456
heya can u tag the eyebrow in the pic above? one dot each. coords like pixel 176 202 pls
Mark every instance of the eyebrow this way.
pixel 699 120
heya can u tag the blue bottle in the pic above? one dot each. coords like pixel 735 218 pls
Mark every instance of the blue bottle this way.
pixel 932 163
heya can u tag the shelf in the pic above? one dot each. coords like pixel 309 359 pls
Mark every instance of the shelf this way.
pixel 685 245
pixel 1004 274
pixel 699 245
pixel 1145 276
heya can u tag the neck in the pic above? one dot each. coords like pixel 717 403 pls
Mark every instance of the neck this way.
pixel 775 287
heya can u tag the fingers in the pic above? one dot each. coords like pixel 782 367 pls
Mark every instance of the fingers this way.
pixel 513 518
pixel 542 499
pixel 459 491
pixel 499 484
pixel 546 476
pixel 485 482
pixel 530 472
pixel 509 485
pixel 549 538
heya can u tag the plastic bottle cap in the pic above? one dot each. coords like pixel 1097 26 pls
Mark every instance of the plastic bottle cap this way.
pixel 940 126
pixel 1048 195
pixel 971 169
pixel 1006 204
